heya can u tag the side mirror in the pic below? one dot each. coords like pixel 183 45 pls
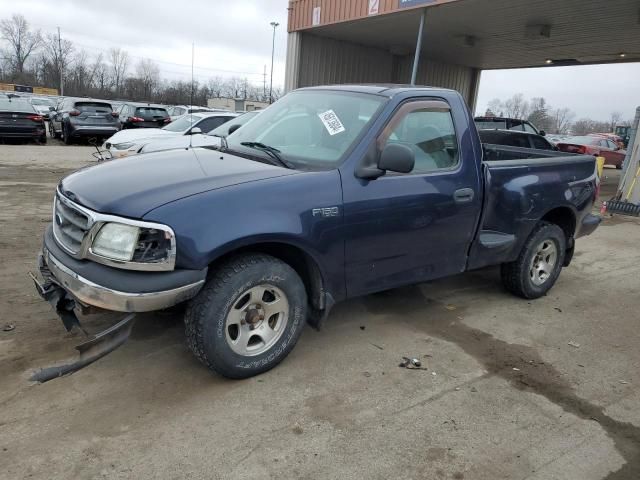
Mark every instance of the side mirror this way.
pixel 233 128
pixel 397 158
pixel 195 131
pixel 543 133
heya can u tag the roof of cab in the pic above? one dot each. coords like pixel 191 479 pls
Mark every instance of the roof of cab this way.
pixel 386 90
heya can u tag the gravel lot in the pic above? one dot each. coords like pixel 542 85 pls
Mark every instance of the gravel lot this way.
pixel 547 389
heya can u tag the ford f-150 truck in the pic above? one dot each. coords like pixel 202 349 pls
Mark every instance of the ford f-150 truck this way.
pixel 330 193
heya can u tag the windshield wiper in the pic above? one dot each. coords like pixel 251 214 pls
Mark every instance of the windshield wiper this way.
pixel 273 152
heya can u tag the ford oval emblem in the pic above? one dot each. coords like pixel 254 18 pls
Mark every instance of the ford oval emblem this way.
pixel 59 220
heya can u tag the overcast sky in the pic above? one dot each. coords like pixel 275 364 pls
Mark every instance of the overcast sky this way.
pixel 593 91
pixel 233 37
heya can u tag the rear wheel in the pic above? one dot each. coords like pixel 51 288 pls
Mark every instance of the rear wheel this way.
pixel 248 316
pixel 539 264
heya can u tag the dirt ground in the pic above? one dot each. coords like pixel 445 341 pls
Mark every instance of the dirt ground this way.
pixel 548 389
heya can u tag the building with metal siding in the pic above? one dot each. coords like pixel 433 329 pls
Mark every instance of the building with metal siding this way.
pixel 375 41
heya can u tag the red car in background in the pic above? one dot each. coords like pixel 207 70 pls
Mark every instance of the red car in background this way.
pixel 594 145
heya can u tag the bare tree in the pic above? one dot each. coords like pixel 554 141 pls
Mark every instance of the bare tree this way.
pixel 583 126
pixel 216 86
pixel 616 117
pixel 58 56
pixel 21 39
pixel 119 60
pixel 561 120
pixel 516 107
pixel 539 114
pixel 496 107
pixel 148 73
pixel 99 75
pixel 587 125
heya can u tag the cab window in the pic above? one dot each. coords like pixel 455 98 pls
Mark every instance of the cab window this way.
pixel 427 128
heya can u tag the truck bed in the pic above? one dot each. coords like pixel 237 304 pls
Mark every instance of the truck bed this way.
pixel 494 153
pixel 521 186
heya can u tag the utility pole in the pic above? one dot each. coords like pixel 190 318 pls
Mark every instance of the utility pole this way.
pixel 60 64
pixel 273 48
pixel 264 83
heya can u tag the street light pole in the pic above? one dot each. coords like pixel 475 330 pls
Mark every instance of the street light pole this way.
pixel 273 48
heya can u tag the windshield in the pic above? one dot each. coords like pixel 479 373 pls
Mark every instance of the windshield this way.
pixel 582 140
pixel 491 124
pixel 223 130
pixel 15 106
pixel 312 128
pixel 43 101
pixel 93 107
pixel 183 123
pixel 151 112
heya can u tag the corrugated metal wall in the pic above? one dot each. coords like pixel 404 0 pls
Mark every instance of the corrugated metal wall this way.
pixel 325 61
pixel 437 74
pixel 333 11
pixel 314 60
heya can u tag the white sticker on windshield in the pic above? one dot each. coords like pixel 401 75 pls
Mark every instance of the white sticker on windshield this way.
pixel 331 122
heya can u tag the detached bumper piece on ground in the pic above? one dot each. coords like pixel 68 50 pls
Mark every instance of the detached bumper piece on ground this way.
pixel 96 347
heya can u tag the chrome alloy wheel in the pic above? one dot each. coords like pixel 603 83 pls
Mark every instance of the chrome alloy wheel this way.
pixel 543 262
pixel 257 320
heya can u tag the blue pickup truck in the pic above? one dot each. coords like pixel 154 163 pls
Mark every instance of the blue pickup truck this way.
pixel 330 193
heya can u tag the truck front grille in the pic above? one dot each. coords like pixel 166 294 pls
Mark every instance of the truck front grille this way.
pixel 70 225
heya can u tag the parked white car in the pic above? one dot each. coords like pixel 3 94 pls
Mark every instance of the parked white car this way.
pixel 42 104
pixel 178 110
pixel 208 139
pixel 130 142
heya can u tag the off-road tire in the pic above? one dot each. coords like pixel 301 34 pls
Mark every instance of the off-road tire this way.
pixel 516 275
pixel 206 314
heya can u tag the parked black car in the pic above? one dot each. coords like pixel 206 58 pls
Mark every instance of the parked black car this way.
pixel 143 115
pixel 513 138
pixel 18 119
pixel 77 118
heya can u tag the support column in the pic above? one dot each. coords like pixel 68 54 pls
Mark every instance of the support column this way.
pixel 475 87
pixel 292 68
pixel 416 58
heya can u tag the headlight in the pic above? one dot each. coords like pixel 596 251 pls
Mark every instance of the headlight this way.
pixel 123 146
pixel 135 245
pixel 116 241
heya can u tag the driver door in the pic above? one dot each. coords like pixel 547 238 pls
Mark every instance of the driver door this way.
pixel 408 228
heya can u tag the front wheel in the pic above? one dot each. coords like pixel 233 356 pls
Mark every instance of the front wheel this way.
pixel 539 264
pixel 248 316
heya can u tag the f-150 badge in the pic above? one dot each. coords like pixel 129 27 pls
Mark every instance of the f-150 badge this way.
pixel 325 212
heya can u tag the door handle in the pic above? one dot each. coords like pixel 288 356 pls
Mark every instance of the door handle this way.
pixel 463 195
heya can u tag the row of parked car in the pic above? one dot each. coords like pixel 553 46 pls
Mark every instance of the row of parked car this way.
pixel 205 129
pixel 521 133
pixel 74 118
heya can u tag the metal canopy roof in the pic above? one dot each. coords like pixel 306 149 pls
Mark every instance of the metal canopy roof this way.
pixel 495 34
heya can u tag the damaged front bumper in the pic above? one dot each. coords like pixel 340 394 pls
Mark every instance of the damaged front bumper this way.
pixel 69 285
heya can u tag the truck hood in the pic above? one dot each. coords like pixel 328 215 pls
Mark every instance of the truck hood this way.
pixel 133 186
pixel 139 135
